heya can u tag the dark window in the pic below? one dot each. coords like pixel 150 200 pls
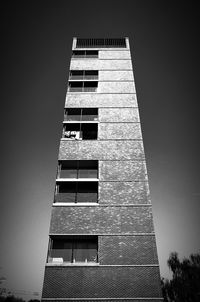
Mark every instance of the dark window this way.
pixel 85 54
pixel 70 191
pixel 73 249
pixel 78 169
pixel 79 131
pixel 81 86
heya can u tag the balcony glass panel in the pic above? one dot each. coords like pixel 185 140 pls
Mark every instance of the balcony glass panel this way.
pixel 61 252
pixel 85 114
pixel 89 114
pixel 68 173
pixel 73 114
pixel 87 197
pixel 65 197
pixel 85 252
pixel 87 173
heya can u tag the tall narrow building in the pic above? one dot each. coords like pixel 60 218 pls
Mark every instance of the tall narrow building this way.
pixel 101 242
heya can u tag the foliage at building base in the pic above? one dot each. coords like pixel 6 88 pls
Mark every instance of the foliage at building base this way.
pixel 185 283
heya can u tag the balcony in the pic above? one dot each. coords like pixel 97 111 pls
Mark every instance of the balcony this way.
pixel 80 131
pixel 78 169
pixel 76 192
pixel 81 114
pixel 85 54
pixel 83 75
pixel 81 86
pixel 73 249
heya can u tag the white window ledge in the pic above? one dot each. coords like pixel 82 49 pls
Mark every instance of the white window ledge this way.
pixel 77 179
pixel 73 204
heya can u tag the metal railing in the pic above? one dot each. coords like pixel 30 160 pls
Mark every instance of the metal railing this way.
pixel 81 173
pixel 82 89
pixel 86 117
pixel 76 197
pixel 72 256
pixel 83 77
pixel 84 56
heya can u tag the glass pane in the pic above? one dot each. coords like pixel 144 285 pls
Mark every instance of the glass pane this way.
pixel 89 131
pixel 86 173
pixel 65 197
pixel 86 197
pixel 76 72
pixel 90 114
pixel 75 84
pixel 78 53
pixel 91 84
pixel 92 252
pixel 68 173
pixel 90 134
pixel 61 252
pixel 73 114
pixel 80 251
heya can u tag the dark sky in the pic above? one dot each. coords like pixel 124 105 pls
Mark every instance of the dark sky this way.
pixel 36 47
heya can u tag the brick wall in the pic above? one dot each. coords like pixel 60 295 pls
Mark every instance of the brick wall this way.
pixel 127 250
pixel 122 192
pixel 101 282
pixel 101 150
pixel 100 100
pixel 100 219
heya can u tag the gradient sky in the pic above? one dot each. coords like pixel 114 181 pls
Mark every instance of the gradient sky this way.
pixel 36 44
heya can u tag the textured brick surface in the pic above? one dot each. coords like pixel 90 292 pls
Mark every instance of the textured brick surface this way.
pixel 100 100
pixel 127 250
pixel 119 131
pixel 101 282
pixel 115 75
pixel 82 64
pixel 118 115
pixel 95 219
pixel 101 150
pixel 104 300
pixel 121 192
pixel 122 170
pixel 114 54
pixel 116 87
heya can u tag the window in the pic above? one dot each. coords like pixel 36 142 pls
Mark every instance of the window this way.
pixel 78 169
pixel 76 191
pixel 73 249
pixel 81 86
pixel 90 54
pixel 80 131
pixel 83 75
pixel 81 114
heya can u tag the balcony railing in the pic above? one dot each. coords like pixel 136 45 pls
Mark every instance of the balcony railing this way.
pixel 76 197
pixel 87 173
pixel 85 56
pixel 82 89
pixel 87 117
pixel 83 77
pixel 77 256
